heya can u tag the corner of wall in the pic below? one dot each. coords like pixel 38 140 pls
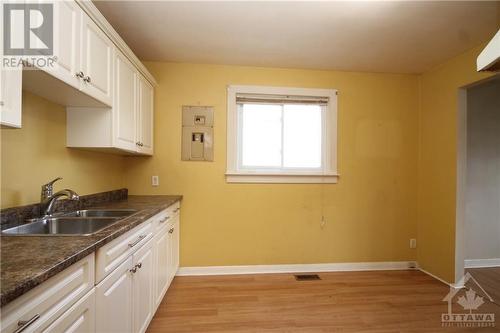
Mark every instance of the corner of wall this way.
pixel 437 161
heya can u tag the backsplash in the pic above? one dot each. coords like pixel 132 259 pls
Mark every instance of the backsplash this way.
pixel 11 217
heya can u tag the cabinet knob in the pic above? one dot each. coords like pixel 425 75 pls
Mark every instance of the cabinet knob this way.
pixel 139 265
pixel 171 230
pixel 87 79
pixel 133 270
pixel 80 75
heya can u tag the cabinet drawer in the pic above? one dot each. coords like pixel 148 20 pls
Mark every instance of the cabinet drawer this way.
pixel 80 318
pixel 48 301
pixel 166 216
pixel 175 208
pixel 114 253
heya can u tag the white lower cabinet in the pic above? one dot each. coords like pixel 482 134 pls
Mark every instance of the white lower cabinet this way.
pixel 124 299
pixel 132 273
pixel 42 307
pixel 166 251
pixel 162 263
pixel 114 300
pixel 143 306
pixel 173 249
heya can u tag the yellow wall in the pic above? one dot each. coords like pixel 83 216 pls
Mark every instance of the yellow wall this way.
pixel 37 153
pixel 438 160
pixel 397 147
pixel 370 213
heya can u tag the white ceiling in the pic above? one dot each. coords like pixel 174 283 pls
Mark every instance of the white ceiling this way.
pixel 394 37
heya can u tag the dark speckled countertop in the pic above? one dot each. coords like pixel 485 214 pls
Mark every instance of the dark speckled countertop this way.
pixel 27 261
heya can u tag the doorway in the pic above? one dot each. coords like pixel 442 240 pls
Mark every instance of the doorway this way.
pixel 478 185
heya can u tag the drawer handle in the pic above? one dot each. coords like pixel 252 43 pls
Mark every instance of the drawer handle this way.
pixel 137 241
pixel 163 220
pixel 171 230
pixel 23 324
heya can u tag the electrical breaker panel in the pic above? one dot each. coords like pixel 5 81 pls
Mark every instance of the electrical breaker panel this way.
pixel 197 133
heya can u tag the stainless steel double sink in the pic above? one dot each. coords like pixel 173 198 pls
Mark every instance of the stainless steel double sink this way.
pixel 77 223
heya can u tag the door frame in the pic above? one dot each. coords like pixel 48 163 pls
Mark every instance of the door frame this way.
pixel 461 180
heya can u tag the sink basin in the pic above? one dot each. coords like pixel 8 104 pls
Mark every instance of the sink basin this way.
pixel 101 213
pixel 62 226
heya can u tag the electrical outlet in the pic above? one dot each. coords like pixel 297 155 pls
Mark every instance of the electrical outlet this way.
pixel 155 180
pixel 413 243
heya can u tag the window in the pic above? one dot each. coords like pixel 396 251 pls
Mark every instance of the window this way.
pixel 281 135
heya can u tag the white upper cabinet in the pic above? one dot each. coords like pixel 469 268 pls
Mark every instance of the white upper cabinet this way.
pixel 10 97
pixel 107 91
pixel 125 105
pixel 81 74
pixel 67 25
pixel 100 65
pixel 96 61
pixel 145 117
pixel 127 127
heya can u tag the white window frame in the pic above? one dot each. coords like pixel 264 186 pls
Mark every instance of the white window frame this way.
pixel 328 172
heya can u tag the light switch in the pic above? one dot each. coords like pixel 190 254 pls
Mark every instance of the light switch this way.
pixel 155 180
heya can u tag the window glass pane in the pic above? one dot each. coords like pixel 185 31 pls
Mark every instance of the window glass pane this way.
pixel 261 135
pixel 302 136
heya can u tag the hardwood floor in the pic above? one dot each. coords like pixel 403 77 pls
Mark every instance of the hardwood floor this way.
pixel 383 301
pixel 489 279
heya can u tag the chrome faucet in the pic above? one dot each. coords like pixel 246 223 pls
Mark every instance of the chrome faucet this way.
pixel 48 197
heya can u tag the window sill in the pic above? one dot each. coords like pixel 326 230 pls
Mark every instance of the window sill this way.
pixel 270 178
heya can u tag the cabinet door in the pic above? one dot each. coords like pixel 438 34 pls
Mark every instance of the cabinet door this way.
pixel 80 318
pixel 145 111
pixel 162 264
pixel 96 61
pixel 114 300
pixel 125 104
pixel 173 248
pixel 143 287
pixel 67 28
pixel 10 97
